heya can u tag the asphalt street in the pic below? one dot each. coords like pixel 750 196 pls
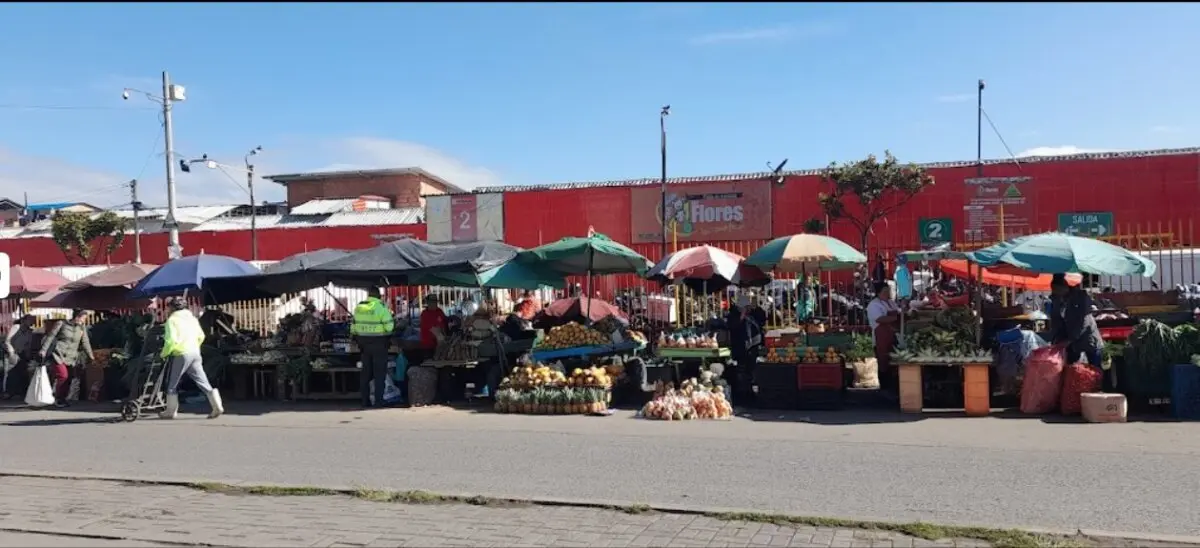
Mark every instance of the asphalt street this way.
pixel 29 540
pixel 1013 472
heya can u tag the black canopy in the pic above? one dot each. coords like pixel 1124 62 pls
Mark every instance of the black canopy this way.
pixel 290 275
pixel 393 262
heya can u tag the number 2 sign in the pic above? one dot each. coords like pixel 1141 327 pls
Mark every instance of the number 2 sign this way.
pixel 463 213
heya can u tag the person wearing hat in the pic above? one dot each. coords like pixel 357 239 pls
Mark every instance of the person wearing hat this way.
pixel 19 347
pixel 372 326
pixel 62 346
pixel 1072 326
pixel 181 349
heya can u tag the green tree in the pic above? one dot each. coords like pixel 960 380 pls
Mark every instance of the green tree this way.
pixel 814 226
pixel 868 190
pixel 80 235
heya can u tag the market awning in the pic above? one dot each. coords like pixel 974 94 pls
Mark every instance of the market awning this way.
pixel 290 275
pixel 1004 276
pixel 395 263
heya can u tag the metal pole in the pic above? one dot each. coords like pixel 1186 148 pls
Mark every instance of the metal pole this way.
pixel 253 211
pixel 662 126
pixel 174 250
pixel 137 229
pixel 979 132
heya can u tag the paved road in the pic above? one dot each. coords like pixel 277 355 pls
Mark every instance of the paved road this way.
pixel 29 540
pixel 1137 477
pixel 181 515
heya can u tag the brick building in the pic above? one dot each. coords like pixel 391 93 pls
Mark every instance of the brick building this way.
pixel 403 187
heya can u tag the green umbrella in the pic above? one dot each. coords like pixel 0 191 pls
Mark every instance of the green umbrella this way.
pixel 595 254
pixel 510 275
pixel 806 253
pixel 1055 252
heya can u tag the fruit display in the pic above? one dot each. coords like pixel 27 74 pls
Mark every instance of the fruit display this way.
pixel 690 341
pixel 695 399
pixel 808 354
pixel 595 377
pixel 253 358
pixel 531 378
pixel 609 325
pixel 456 348
pixel 571 335
pixel 638 337
pixel 545 400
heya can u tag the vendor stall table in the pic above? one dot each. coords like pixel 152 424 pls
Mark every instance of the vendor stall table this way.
pixel 976 387
pixel 676 355
pixel 585 351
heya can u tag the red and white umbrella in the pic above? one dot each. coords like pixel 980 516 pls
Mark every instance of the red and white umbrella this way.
pixel 707 268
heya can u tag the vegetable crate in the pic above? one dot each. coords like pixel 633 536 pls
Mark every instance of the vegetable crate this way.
pixel 1185 391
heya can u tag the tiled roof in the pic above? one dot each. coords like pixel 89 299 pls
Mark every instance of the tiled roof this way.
pixel 804 172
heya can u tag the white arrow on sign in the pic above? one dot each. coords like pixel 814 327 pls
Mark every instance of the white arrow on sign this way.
pixel 1100 230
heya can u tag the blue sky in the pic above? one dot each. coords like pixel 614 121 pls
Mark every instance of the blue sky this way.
pixel 543 93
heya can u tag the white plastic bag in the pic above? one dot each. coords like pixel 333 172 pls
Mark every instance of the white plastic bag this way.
pixel 391 394
pixel 40 393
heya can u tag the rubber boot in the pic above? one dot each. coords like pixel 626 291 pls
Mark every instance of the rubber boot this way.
pixel 214 400
pixel 172 407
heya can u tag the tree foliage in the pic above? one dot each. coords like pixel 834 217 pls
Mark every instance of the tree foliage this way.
pixel 879 188
pixel 814 226
pixel 79 235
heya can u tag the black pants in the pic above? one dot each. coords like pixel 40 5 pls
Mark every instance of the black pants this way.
pixel 374 368
pixel 18 379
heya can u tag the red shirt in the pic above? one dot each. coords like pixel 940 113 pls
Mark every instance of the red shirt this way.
pixel 431 318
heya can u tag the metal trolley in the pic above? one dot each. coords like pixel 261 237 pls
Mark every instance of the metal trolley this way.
pixel 153 378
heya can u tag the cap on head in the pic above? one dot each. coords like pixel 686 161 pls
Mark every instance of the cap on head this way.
pixel 78 313
pixel 374 292
pixel 177 303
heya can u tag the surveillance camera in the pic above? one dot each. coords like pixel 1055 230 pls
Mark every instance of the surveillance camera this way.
pixel 125 95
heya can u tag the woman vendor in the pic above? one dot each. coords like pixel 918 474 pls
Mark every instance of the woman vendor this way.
pixel 884 318
pixel 1071 323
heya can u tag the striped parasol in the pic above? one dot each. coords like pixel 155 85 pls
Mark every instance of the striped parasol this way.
pixel 806 253
pixel 707 268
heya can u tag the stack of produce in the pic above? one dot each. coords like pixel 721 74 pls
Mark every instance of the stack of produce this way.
pixel 808 354
pixel 595 377
pixel 252 358
pixel 695 399
pixel 457 348
pixel 609 325
pixel 552 401
pixel 530 378
pixel 690 341
pixel 571 335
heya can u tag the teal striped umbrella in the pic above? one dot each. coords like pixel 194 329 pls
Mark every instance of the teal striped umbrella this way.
pixel 806 253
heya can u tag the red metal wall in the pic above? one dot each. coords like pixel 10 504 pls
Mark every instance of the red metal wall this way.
pixel 273 244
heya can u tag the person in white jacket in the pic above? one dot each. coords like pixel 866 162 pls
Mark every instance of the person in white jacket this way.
pixel 181 349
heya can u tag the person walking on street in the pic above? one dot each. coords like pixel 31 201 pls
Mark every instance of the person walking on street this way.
pixel 19 347
pixel 181 349
pixel 372 326
pixel 62 346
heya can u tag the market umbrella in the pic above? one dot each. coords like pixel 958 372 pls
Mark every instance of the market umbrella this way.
pixel 104 290
pixel 25 281
pixel 510 275
pixel 581 308
pixel 1006 276
pixel 290 275
pixel 707 269
pixel 806 253
pixel 1054 252
pixel 189 274
pixel 594 254
pixel 393 263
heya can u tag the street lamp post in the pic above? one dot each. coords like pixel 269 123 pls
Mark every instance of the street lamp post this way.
pixel 662 127
pixel 185 166
pixel 171 93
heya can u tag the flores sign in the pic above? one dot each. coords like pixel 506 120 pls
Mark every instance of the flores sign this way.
pixel 739 210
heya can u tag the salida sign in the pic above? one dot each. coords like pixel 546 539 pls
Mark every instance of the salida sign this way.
pixel 739 210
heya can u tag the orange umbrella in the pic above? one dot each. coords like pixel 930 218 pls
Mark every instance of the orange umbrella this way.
pixel 1005 275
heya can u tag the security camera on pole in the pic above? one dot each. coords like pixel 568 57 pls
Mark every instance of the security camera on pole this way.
pixel 171 93
pixel 186 167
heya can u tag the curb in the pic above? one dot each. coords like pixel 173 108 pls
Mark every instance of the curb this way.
pixel 1095 534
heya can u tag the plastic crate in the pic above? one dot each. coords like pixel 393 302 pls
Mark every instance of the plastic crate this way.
pixel 820 376
pixel 820 399
pixel 771 376
pixel 1185 391
pixel 1116 333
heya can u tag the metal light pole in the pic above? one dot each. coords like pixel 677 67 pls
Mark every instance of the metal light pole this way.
pixel 979 132
pixel 253 204
pixel 171 93
pixel 662 127
pixel 137 228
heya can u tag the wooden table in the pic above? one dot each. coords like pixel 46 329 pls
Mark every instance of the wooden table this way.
pixel 976 387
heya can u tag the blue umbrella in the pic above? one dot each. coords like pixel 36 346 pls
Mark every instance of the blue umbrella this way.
pixel 1054 252
pixel 189 273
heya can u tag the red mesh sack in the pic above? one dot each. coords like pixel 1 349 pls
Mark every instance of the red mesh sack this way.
pixel 1043 381
pixel 1078 379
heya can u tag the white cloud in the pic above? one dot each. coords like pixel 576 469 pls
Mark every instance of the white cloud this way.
pixel 765 34
pixel 1166 129
pixel 955 98
pixel 1065 150
pixel 55 179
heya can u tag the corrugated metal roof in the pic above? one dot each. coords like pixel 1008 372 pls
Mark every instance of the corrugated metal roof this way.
pixel 375 217
pixel 804 172
pixel 344 174
pixel 323 206
pixel 403 216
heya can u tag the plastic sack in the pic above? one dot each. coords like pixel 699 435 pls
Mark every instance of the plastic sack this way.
pixel 391 394
pixel 401 372
pixel 1078 379
pixel 1043 381
pixel 40 393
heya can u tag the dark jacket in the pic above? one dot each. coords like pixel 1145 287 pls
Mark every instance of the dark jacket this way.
pixel 1077 328
pixel 742 331
pixel 64 343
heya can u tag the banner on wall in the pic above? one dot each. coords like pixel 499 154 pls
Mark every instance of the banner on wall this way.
pixel 464 217
pixel 736 210
pixel 995 204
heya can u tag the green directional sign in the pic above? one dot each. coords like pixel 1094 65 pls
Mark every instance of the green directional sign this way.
pixel 935 231
pixel 1094 224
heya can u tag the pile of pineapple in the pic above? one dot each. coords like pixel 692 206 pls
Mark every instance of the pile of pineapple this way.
pixel 571 335
pixel 792 354
pixel 595 377
pixel 552 401
pixel 530 377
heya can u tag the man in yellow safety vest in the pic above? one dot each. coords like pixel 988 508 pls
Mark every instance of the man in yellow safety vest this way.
pixel 181 350
pixel 372 326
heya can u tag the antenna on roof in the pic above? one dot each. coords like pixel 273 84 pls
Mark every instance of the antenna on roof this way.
pixel 777 170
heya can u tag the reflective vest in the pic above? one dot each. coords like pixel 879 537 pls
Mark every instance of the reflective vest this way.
pixel 372 319
pixel 183 334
